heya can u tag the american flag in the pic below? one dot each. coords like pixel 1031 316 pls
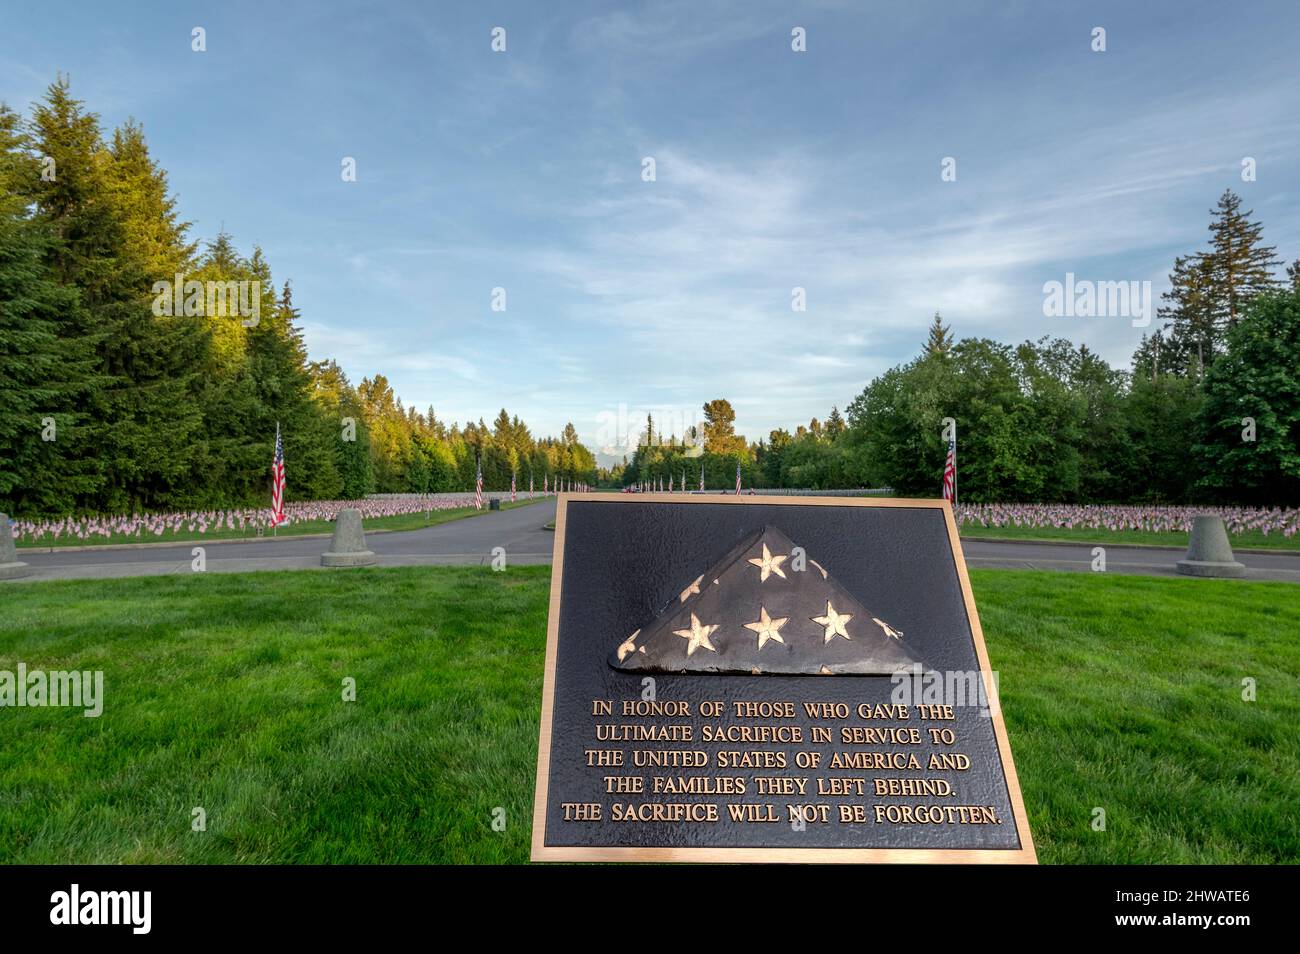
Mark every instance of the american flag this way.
pixel 950 471
pixel 530 485
pixel 546 483
pixel 701 475
pixel 512 486
pixel 670 483
pixel 478 484
pixel 738 478
pixel 277 480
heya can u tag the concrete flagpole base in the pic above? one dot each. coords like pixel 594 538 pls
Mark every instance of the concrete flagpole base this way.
pixel 1208 552
pixel 348 548
pixel 10 566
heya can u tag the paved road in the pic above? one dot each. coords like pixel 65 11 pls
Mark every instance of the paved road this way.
pixel 522 533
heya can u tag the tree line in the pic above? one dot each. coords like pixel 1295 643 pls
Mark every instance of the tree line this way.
pixel 123 388
pixel 121 392
pixel 1209 410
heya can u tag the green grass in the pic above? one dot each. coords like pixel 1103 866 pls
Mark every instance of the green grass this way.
pixel 224 691
pixel 1125 693
pixel 406 521
pixel 1249 539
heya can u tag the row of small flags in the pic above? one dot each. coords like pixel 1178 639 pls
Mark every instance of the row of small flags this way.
pixel 949 476
pixel 561 485
pixel 657 484
pixel 277 480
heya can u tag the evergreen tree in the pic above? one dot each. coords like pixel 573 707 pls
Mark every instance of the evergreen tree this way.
pixel 1240 267
pixel 1191 335
pixel 234 469
pixel 160 400
pixel 939 342
pixel 834 424
pixel 142 429
pixel 42 375
pixel 287 393
pixel 389 437
pixel 341 409
pixel 152 234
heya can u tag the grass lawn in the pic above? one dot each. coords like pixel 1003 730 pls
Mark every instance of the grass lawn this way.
pixel 224 691
pixel 1250 539
pixel 406 521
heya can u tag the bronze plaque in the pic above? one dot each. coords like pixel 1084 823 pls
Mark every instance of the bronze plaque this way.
pixel 747 678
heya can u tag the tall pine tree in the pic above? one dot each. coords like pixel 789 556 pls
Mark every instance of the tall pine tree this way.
pixel 42 374
pixel 1190 337
pixel 1240 266
pixel 142 418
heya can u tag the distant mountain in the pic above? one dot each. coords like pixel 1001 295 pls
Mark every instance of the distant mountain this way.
pixel 610 461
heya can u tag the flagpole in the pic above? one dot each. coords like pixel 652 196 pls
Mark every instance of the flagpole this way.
pixel 275 524
pixel 949 435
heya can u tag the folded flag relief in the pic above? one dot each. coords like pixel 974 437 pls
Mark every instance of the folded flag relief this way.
pixel 765 607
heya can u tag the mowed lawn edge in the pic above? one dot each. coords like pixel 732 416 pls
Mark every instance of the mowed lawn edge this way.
pixel 225 693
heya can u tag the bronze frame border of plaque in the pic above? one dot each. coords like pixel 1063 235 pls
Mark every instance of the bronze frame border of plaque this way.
pixel 542 852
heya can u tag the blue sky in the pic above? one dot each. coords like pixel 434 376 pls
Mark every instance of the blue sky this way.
pixel 775 169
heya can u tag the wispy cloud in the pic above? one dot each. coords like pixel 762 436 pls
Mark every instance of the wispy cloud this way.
pixel 775 170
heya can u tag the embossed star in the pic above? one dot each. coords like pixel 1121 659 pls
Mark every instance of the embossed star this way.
pixel 766 627
pixel 834 623
pixel 693 588
pixel 769 564
pixel 697 636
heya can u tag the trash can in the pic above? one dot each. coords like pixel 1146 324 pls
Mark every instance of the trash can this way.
pixel 494 503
